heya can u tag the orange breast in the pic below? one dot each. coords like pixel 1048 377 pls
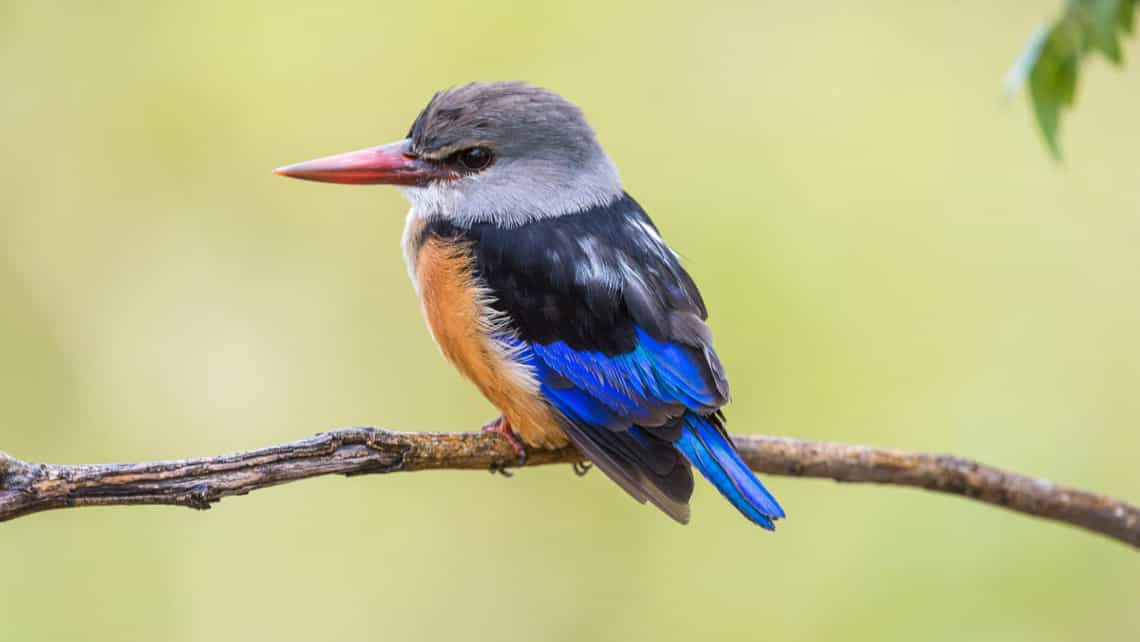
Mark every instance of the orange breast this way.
pixel 461 320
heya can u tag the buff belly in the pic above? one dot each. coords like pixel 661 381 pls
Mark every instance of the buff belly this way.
pixel 462 322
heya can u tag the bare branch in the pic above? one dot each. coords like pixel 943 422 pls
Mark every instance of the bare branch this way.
pixel 27 488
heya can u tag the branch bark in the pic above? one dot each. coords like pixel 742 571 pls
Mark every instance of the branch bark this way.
pixel 27 488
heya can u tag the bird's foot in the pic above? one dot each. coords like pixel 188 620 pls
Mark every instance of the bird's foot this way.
pixel 581 467
pixel 500 469
pixel 502 427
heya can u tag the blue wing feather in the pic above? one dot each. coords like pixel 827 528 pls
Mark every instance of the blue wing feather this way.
pixel 646 386
pixel 656 384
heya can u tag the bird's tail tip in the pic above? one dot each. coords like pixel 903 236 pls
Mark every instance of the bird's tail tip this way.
pixel 706 446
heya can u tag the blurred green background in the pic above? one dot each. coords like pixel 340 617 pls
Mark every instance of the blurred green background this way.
pixel 890 255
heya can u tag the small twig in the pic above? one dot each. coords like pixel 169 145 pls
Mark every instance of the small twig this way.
pixel 27 488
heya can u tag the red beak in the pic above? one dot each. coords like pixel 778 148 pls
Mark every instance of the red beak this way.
pixel 391 164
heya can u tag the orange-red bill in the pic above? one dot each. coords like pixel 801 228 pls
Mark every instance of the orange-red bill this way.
pixel 391 164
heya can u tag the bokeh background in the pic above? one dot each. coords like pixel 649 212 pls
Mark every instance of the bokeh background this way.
pixel 890 255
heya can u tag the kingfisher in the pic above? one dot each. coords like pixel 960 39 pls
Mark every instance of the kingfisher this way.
pixel 547 286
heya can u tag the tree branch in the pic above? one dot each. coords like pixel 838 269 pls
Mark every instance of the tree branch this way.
pixel 27 488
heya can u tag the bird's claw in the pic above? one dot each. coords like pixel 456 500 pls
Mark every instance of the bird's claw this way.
pixel 502 427
pixel 500 469
pixel 581 467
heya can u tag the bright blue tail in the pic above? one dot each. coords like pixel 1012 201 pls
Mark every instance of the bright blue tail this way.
pixel 707 448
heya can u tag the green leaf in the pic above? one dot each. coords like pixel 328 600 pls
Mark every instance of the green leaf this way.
pixel 1019 72
pixel 1053 80
pixel 1103 22
pixel 1051 60
pixel 1124 17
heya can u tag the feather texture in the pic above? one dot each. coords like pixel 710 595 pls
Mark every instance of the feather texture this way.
pixel 612 328
pixel 706 446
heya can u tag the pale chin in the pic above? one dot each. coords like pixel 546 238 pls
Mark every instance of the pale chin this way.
pixel 428 199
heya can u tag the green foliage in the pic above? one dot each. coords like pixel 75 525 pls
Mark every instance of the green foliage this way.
pixel 1052 57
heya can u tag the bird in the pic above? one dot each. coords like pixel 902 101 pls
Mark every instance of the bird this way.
pixel 549 287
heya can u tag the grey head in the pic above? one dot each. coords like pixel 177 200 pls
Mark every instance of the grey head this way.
pixel 517 153
pixel 497 152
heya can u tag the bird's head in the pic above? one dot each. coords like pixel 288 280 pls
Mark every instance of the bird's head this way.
pixel 500 152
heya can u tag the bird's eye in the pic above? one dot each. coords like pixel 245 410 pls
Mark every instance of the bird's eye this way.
pixel 473 159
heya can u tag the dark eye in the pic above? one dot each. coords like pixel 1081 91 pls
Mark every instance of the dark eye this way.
pixel 473 159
